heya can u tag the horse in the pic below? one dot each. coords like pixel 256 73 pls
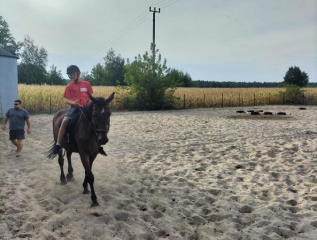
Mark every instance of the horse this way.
pixel 91 132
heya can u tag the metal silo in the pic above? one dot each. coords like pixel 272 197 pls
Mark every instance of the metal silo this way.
pixel 8 81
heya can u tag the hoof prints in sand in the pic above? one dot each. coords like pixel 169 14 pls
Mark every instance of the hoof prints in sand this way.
pixel 172 175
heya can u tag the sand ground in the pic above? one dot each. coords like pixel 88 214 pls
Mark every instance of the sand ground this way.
pixel 184 174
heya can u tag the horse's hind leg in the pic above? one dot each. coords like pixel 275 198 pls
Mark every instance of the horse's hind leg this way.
pixel 70 167
pixel 61 164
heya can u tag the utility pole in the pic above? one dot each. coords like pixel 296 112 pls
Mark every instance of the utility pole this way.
pixel 154 11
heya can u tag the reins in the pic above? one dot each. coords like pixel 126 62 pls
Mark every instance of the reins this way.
pixel 91 125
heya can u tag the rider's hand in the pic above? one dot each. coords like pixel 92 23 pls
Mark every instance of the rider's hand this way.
pixel 77 102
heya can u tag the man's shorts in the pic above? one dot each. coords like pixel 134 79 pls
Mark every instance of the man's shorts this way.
pixel 72 112
pixel 17 134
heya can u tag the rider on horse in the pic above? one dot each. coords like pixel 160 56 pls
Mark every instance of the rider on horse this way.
pixel 76 94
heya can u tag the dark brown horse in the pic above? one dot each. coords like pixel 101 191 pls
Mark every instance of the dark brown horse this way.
pixel 90 134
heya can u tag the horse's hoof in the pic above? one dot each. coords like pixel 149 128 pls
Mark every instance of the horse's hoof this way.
pixel 86 191
pixel 70 178
pixel 95 204
pixel 63 182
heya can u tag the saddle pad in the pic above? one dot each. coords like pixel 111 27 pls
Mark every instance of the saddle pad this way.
pixel 73 123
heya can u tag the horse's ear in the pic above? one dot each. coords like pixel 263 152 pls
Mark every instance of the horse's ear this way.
pixel 110 97
pixel 91 97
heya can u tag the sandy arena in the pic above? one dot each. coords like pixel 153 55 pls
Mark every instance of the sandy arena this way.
pixel 184 174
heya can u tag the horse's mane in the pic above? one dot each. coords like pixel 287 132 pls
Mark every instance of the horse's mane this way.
pixel 98 101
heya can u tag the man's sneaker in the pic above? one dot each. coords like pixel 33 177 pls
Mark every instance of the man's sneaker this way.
pixel 102 152
pixel 56 149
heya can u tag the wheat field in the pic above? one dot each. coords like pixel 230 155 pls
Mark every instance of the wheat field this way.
pixel 48 98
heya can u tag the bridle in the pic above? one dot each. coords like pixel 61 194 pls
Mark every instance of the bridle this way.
pixel 96 130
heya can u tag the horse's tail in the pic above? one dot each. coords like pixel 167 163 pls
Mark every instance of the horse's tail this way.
pixel 49 154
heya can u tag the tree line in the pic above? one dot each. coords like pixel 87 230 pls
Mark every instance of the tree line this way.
pixel 215 84
pixel 228 84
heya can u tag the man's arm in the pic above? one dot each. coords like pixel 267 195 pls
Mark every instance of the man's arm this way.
pixel 29 125
pixel 4 122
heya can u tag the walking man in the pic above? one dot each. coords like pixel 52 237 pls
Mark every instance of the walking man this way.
pixel 17 117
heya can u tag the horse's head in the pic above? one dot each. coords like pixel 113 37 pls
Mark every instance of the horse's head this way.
pixel 101 117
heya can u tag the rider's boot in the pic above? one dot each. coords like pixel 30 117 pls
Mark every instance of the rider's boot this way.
pixel 60 135
pixel 102 152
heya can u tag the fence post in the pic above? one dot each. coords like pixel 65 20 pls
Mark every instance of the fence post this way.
pixel 283 98
pixel 254 99
pixel 269 98
pixel 239 99
pixel 184 102
pixel 50 103
pixel 222 100
pixel 204 100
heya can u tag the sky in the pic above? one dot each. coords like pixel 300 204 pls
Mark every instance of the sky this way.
pixel 213 40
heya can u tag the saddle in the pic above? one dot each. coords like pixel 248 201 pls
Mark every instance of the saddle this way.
pixel 72 125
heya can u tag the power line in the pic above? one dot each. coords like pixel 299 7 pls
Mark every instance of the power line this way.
pixel 158 4
pixel 141 18
pixel 167 4
pixel 127 29
pixel 123 33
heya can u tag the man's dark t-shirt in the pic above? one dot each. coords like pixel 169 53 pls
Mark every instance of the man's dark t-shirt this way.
pixel 17 118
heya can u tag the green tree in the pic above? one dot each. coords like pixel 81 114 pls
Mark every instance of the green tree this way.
pixel 181 78
pixel 88 77
pixel 98 76
pixel 296 77
pixel 55 77
pixel 111 73
pixel 148 89
pixel 114 68
pixel 7 41
pixel 32 69
pixel 31 74
pixel 293 94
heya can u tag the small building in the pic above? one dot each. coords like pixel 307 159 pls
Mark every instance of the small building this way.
pixel 8 80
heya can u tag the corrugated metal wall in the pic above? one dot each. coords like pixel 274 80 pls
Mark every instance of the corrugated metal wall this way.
pixel 8 83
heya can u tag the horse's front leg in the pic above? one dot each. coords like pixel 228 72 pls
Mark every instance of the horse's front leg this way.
pixel 61 165
pixel 85 185
pixel 70 167
pixel 89 177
